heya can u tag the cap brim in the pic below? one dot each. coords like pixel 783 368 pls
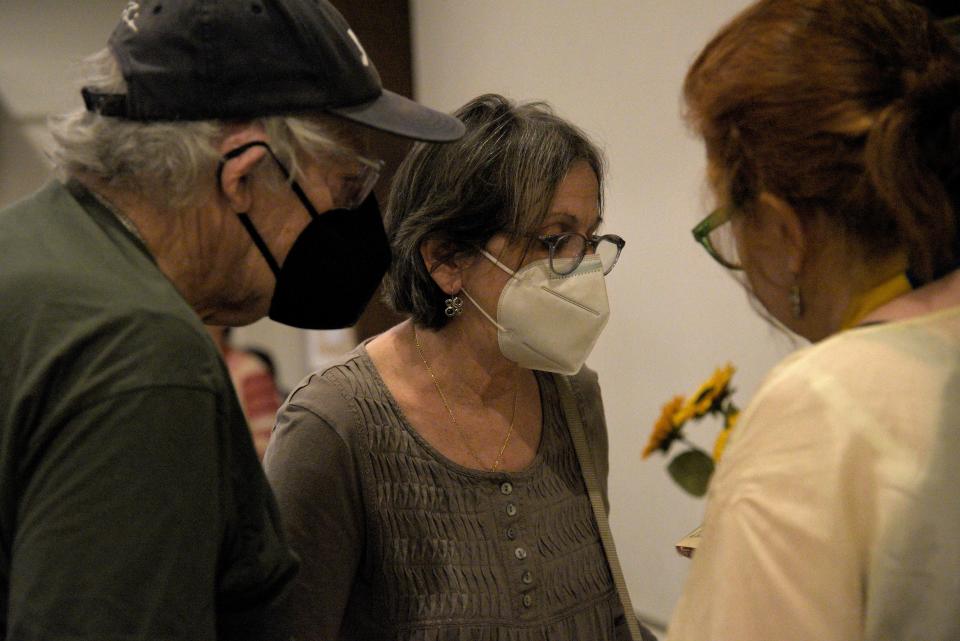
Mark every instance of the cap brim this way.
pixel 399 115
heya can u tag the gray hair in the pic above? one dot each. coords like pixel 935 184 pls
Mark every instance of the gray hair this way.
pixel 171 164
pixel 499 178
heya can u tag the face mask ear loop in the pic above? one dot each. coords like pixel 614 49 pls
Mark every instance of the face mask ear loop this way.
pixel 493 259
pixel 294 185
pixel 488 317
pixel 243 217
pixel 258 241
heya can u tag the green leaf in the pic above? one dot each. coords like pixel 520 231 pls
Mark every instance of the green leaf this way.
pixel 691 471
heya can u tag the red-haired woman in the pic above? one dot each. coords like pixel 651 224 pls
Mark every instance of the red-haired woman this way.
pixel 832 133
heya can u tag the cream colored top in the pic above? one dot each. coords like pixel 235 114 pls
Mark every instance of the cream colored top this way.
pixel 834 514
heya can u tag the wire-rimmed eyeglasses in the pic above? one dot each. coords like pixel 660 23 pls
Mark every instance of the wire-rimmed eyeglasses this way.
pixel 714 234
pixel 567 250
pixel 355 187
pixel 352 188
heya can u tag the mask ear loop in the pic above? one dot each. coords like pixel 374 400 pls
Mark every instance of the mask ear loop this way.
pixel 512 274
pixel 258 241
pixel 244 218
pixel 493 259
pixel 509 272
pixel 483 311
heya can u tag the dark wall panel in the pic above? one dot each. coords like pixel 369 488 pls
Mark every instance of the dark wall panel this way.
pixel 383 27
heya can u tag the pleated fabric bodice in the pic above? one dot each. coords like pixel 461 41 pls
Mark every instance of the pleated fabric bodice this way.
pixel 456 554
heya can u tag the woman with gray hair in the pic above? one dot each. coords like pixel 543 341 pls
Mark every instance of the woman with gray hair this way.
pixel 428 481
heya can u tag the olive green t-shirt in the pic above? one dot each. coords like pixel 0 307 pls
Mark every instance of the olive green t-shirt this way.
pixel 132 503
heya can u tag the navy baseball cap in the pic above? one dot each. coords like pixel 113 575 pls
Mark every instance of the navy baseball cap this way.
pixel 229 60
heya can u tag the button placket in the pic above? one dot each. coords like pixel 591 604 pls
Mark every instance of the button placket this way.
pixel 521 577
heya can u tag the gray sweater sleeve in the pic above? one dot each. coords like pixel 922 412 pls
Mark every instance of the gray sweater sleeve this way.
pixel 312 470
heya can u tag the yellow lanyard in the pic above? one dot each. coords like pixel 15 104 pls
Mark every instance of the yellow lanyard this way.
pixel 874 298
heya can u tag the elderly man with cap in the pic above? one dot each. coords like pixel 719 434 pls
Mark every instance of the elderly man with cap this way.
pixel 216 174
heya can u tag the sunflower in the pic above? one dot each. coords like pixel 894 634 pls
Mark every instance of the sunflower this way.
pixel 685 412
pixel 665 429
pixel 709 395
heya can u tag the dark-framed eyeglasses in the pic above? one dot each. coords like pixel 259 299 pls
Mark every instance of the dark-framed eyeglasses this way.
pixel 567 250
pixel 715 235
pixel 355 187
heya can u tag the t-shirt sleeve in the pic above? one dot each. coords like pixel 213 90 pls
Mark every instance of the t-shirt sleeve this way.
pixel 312 471
pixel 116 537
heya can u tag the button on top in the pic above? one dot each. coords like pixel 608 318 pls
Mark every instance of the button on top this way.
pixel 520 553
pixel 527 577
pixel 527 600
pixel 506 488
pixel 511 509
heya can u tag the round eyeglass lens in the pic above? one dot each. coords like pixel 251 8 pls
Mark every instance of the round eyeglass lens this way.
pixel 609 252
pixel 567 253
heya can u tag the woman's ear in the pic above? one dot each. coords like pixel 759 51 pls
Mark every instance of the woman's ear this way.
pixel 785 230
pixel 447 271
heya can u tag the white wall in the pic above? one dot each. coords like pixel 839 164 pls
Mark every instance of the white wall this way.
pixel 615 67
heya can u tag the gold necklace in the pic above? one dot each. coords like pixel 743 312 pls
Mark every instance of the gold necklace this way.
pixel 453 418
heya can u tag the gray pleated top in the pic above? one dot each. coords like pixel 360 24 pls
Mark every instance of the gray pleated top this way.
pixel 398 542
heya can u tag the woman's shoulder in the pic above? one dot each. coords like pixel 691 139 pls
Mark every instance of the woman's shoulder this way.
pixel 587 380
pixel 849 397
pixel 586 391
pixel 866 361
pixel 585 383
pixel 798 391
pixel 334 391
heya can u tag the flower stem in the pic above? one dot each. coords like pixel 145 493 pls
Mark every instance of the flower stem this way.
pixel 691 445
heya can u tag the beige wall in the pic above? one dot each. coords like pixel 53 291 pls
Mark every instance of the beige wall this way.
pixel 615 67
pixel 22 165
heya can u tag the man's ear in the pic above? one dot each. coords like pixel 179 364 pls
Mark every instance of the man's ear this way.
pixel 786 230
pixel 447 272
pixel 235 170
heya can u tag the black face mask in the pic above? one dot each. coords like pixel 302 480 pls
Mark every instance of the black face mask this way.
pixel 333 268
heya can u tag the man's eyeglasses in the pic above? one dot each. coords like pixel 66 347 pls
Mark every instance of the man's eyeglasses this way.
pixel 715 235
pixel 567 250
pixel 351 189
pixel 354 187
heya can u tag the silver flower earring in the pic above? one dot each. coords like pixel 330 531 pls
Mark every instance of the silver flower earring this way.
pixel 454 306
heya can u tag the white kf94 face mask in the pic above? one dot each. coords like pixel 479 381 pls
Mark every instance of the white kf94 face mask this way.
pixel 546 321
